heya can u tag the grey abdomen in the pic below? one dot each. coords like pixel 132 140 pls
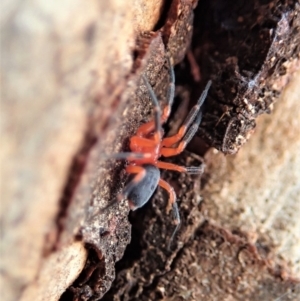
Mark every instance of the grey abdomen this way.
pixel 143 190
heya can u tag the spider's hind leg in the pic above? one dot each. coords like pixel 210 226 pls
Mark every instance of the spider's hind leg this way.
pixel 172 204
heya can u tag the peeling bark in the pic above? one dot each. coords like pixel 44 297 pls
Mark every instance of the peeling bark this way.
pixel 72 92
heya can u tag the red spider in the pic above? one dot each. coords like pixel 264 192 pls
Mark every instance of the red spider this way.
pixel 148 145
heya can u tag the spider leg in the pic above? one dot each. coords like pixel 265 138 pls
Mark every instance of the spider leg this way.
pixel 169 152
pixel 171 93
pixel 171 205
pixel 172 195
pixel 152 125
pixel 169 141
pixel 140 174
pixel 159 120
pixel 176 217
pixel 189 170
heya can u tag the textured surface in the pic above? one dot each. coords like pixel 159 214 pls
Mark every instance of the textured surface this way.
pixel 60 86
pixel 73 257
pixel 53 71
pixel 64 69
pixel 109 233
pixel 239 238
pixel 243 47
pixel 258 190
pixel 220 266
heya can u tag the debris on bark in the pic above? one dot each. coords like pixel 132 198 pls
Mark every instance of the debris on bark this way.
pixel 244 48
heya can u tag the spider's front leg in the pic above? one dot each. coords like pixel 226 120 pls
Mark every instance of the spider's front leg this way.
pixel 171 94
pixel 155 125
pixel 194 118
pixel 169 152
pixel 175 167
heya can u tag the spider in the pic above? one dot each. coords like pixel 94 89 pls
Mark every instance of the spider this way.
pixel 148 145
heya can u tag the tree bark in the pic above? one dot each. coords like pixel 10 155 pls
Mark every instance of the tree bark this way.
pixel 72 93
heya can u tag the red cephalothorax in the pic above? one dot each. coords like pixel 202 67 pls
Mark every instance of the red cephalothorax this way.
pixel 148 145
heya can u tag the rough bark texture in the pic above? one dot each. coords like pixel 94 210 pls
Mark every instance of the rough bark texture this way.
pixel 244 47
pixel 72 93
pixel 239 238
